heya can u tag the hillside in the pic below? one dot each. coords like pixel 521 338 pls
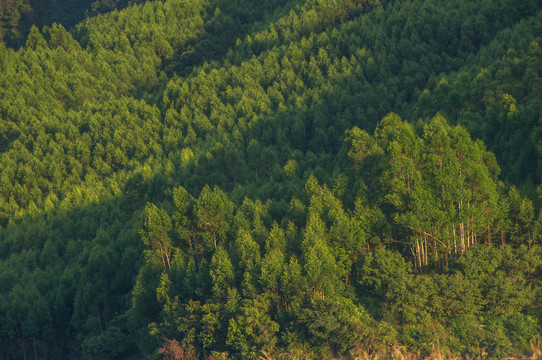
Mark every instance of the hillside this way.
pixel 288 179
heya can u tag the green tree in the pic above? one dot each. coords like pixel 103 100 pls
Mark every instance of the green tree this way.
pixel 214 212
pixel 526 219
pixel 10 14
pixel 253 330
pixel 183 217
pixel 222 273
pixel 155 234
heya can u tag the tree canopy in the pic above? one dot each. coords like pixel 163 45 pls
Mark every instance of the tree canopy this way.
pixel 310 179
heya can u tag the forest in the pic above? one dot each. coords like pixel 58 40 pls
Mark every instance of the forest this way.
pixel 276 179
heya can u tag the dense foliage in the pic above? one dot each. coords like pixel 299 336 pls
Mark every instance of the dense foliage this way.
pixel 288 179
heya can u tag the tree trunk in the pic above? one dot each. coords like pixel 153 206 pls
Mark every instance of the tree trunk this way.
pixel 418 256
pixel 13 349
pixel 488 235
pixel 23 346
pixel 105 306
pixel 45 346
pixel 35 350
pixel 517 231
pixel 426 252
pixel 435 252
pixel 455 240
pixel 462 237
pixel 168 253
pixel 163 257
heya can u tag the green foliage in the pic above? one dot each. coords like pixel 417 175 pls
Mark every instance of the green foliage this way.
pixel 155 235
pixel 336 324
pixel 214 179
pixel 252 330
pixel 221 272
pixel 10 14
pixel 382 268
pixel 214 211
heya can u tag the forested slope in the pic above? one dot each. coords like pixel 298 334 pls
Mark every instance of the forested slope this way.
pixel 290 179
pixel 18 16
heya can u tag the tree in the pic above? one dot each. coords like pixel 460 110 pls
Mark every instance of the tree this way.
pixel 526 219
pixel 333 322
pixel 222 273
pixel 253 330
pixel 441 186
pixel 183 216
pixel 172 350
pixel 273 265
pixel 248 252
pixel 10 14
pixel 214 212
pixel 35 39
pixel 155 234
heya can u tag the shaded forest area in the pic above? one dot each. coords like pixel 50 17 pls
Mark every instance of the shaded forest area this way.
pixel 287 179
pixel 18 16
